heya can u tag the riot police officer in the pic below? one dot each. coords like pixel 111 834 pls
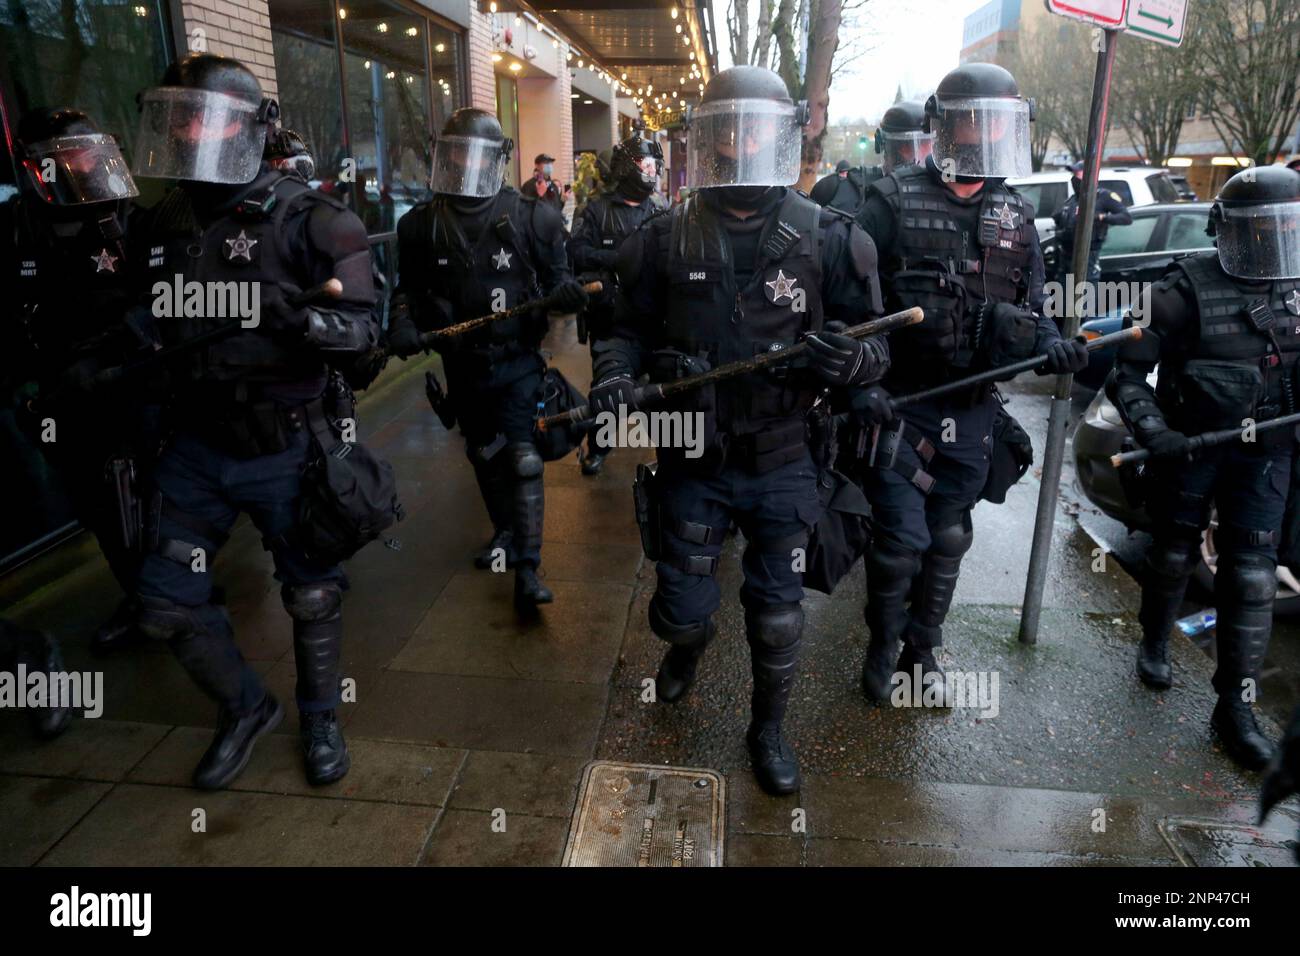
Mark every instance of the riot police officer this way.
pixel 1110 211
pixel 247 406
pixel 842 189
pixel 601 227
pixel 743 266
pixel 903 138
pixel 957 241
pixel 62 243
pixel 479 247
pixel 1225 328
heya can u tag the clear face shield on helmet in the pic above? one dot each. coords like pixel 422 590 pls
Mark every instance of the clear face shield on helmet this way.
pixel 80 169
pixel 1261 241
pixel 906 148
pixel 468 166
pixel 985 137
pixel 198 135
pixel 743 142
pixel 649 167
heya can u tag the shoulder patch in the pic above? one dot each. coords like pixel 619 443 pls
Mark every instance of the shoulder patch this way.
pixel 1116 197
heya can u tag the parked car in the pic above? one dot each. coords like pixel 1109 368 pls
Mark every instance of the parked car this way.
pixel 1100 434
pixel 1138 252
pixel 1135 185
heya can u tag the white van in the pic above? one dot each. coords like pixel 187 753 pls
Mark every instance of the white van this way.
pixel 1135 185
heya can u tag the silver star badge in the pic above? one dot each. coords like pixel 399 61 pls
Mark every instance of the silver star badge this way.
pixel 1292 302
pixel 502 260
pixel 104 262
pixel 240 247
pixel 782 287
pixel 1006 216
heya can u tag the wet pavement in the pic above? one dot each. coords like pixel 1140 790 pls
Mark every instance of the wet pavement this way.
pixel 471 729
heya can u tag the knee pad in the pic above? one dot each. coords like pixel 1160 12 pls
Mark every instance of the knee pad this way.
pixel 1173 558
pixel 1251 577
pixel 777 626
pixel 311 602
pixel 695 634
pixel 954 540
pixel 888 561
pixel 525 462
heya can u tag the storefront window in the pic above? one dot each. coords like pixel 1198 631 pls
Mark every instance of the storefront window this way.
pixel 91 54
pixel 387 91
pixel 307 72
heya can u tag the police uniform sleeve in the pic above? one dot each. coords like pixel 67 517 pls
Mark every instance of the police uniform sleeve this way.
pixel 338 247
pixel 1046 332
pixel 584 248
pixel 1117 213
pixel 549 255
pixel 638 308
pixel 850 282
pixel 1170 306
pixel 876 218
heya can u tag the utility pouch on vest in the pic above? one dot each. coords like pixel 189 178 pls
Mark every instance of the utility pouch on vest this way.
pixel 347 497
pixel 1008 334
pixel 1010 458
pixel 943 298
pixel 647 510
pixel 1214 395
pixel 887 441
pixel 556 397
pixel 842 534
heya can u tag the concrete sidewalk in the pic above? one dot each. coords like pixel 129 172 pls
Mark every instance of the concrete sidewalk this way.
pixel 462 711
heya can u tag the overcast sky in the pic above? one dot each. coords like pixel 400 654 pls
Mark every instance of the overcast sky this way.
pixel 912 42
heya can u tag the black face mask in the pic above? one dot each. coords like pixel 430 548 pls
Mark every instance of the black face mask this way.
pixel 634 187
pixel 741 197
pixel 470 204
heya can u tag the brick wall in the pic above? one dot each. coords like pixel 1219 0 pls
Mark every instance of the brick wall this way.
pixel 482 82
pixel 235 28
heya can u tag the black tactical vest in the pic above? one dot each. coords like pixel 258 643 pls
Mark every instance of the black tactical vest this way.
pixel 248 244
pixel 1246 327
pixel 709 316
pixel 72 288
pixel 617 219
pixel 492 274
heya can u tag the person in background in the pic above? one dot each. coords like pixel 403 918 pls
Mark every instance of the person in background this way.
pixel 542 187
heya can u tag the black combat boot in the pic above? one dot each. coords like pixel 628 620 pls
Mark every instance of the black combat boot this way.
pixel 932 593
pixel 1244 590
pixel 119 630
pixel 687 643
pixel 593 460
pixel 203 642
pixel 317 615
pixel 40 652
pixel 889 578
pixel 529 589
pixel 496 485
pixel 232 745
pixel 1168 565
pixel 774 634
pixel 1283 779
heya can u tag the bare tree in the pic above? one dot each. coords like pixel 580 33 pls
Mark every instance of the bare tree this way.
pixel 738 27
pixel 1248 63
pixel 1054 64
pixel 823 40
pixel 763 36
pixel 1154 87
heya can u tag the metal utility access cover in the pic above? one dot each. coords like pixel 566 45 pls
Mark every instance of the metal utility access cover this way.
pixel 1216 843
pixel 647 815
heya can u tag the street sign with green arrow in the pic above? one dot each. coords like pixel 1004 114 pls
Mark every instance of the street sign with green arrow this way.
pixel 1159 20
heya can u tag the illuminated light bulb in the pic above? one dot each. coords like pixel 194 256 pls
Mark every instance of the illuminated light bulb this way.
pixel 412 31
pixel 580 63
pixel 492 7
pixel 366 65
pixel 343 14
pixel 389 75
pixel 382 27
pixel 686 41
pixel 516 67
pixel 673 13
pixel 496 57
pixel 439 47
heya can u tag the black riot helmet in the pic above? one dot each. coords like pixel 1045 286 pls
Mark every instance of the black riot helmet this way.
pixel 470 155
pixel 1256 220
pixel 208 122
pixel 67 161
pixel 635 166
pixel 901 137
pixel 288 151
pixel 980 123
pixel 603 159
pixel 746 131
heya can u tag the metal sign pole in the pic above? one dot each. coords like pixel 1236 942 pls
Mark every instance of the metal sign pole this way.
pixel 1057 421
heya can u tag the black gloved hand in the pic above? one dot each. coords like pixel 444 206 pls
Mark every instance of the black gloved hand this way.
pixel 1065 355
pixel 569 296
pixel 278 313
pixel 609 393
pixel 404 339
pixel 872 406
pixel 79 377
pixel 840 360
pixel 1164 442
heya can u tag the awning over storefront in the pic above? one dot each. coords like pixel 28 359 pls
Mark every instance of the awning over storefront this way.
pixel 656 53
